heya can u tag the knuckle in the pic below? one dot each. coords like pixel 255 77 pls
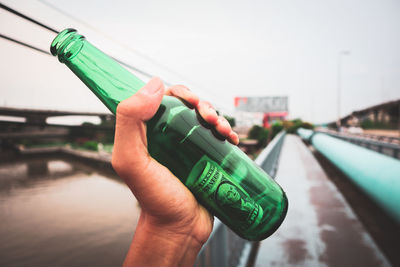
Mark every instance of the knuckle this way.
pixel 207 104
pixel 182 87
pixel 222 120
pixel 168 91
pixel 122 108
pixel 177 88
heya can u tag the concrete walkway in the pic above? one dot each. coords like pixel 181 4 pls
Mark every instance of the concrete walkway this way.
pixel 320 228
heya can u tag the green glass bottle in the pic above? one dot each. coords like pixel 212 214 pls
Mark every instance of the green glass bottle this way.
pixel 229 184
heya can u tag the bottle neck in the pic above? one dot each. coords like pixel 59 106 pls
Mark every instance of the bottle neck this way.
pixel 105 77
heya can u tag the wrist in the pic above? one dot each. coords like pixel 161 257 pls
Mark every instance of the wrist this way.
pixel 154 245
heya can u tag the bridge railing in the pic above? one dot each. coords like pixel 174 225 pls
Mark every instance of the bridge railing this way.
pixel 389 149
pixel 374 173
pixel 387 139
pixel 225 248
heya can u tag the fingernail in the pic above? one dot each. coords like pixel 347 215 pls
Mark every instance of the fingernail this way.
pixel 153 86
pixel 234 137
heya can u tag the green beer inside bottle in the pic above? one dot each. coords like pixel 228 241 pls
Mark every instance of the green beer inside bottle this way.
pixel 219 174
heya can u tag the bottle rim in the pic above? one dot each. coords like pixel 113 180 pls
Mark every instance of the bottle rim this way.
pixel 66 44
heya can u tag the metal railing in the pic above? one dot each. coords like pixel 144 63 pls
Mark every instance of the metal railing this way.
pixel 385 148
pixel 269 158
pixel 382 138
pixel 225 248
pixel 377 175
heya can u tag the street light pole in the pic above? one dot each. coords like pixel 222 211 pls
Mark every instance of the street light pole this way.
pixel 339 85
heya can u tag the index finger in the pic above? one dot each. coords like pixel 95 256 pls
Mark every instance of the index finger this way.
pixel 183 93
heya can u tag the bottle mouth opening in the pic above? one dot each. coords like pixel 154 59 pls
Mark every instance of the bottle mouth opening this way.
pixel 67 44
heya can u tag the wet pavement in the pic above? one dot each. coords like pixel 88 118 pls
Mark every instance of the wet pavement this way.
pixel 320 229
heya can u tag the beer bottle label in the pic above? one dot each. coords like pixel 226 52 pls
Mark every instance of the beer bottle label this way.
pixel 214 183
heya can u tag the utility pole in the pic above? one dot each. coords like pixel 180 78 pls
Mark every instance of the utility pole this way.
pixel 339 86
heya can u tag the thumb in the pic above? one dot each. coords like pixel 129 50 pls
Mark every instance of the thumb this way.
pixel 130 129
pixel 144 104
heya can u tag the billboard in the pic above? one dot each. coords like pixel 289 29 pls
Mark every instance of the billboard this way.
pixel 262 104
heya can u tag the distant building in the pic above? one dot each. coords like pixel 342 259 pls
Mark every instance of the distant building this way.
pixel 272 108
pixel 385 115
pixel 245 120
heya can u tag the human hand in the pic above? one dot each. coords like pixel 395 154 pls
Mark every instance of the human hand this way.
pixel 172 226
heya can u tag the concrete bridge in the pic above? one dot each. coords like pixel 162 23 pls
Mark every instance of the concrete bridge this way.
pixel 17 124
pixel 322 227
pixel 39 117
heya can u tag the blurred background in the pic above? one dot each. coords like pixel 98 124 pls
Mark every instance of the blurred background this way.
pixel 274 69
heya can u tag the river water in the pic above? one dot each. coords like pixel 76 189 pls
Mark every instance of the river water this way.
pixel 54 212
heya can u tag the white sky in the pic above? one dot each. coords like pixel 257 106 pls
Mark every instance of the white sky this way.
pixel 220 49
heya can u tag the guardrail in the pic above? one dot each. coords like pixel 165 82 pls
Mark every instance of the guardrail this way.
pixel 388 149
pixel 388 139
pixel 376 174
pixel 225 248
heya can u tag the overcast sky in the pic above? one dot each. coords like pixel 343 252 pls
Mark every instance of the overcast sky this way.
pixel 220 49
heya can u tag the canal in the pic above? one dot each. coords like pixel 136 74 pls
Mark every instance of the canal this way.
pixel 59 212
